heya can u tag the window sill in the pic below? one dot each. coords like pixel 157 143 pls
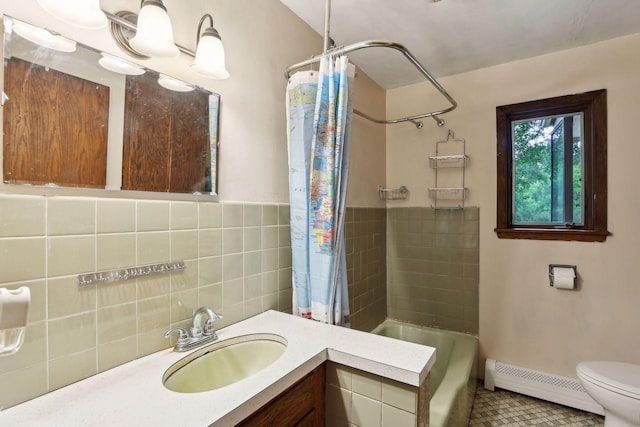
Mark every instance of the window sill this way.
pixel 552 234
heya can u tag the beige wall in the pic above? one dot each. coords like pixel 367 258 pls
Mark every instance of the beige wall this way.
pixel 368 158
pixel 261 39
pixel 253 153
pixel 238 254
pixel 523 321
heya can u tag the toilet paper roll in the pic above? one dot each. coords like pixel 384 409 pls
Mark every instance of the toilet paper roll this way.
pixel 14 307
pixel 564 277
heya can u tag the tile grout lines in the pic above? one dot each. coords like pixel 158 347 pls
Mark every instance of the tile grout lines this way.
pixel 504 408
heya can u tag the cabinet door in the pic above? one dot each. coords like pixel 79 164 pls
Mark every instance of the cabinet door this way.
pixel 190 150
pixel 147 130
pixel 302 405
pixel 309 420
pixel 166 138
pixel 55 127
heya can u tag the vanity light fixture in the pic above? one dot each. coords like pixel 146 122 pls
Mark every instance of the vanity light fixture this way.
pixel 120 66
pixel 145 35
pixel 209 61
pixel 174 84
pixel 81 13
pixel 43 37
pixel 154 36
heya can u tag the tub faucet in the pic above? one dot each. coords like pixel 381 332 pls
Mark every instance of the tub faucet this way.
pixel 197 334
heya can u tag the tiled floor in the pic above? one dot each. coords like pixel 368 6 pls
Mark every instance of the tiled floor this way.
pixel 504 408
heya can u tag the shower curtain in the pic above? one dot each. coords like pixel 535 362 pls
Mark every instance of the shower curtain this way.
pixel 319 122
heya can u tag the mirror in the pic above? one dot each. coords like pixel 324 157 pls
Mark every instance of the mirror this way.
pixel 70 122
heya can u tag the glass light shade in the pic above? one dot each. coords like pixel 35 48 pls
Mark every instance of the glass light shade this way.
pixel 43 37
pixel 209 61
pixel 154 36
pixel 174 84
pixel 81 13
pixel 120 66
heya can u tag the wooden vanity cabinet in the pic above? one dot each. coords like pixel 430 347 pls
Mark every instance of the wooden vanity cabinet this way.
pixel 301 405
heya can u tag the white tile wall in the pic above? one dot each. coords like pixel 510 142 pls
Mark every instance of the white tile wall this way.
pixel 360 399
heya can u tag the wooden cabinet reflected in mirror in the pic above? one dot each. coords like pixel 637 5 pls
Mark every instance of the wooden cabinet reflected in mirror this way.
pixel 55 127
pixel 166 138
pixel 66 121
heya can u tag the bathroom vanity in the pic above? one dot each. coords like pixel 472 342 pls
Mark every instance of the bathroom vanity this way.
pixel 134 394
pixel 301 405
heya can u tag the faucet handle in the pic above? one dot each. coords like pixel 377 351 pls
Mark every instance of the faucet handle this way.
pixel 183 335
pixel 209 329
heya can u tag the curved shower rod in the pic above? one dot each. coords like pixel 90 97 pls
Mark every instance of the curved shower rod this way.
pixel 392 45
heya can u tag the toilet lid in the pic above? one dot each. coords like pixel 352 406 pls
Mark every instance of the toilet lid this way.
pixel 622 378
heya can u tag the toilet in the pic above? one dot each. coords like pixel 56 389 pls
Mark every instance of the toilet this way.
pixel 616 387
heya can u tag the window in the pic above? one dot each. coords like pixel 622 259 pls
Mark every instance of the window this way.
pixel 552 168
pixel 547 170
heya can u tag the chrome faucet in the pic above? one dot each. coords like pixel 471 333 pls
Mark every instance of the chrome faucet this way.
pixel 197 335
pixel 197 330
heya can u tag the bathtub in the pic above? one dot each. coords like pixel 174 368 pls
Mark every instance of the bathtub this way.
pixel 453 377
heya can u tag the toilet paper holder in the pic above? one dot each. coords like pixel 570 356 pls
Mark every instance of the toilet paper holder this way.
pixel 552 276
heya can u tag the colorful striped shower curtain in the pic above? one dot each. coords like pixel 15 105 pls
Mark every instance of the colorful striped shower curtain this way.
pixel 319 122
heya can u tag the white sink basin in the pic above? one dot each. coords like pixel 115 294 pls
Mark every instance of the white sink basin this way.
pixel 223 363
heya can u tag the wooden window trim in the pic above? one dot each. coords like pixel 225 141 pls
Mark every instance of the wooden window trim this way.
pixel 594 106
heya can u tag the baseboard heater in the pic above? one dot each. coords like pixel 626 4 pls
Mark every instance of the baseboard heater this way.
pixel 553 388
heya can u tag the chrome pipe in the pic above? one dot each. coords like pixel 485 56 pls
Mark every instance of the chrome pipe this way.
pixel 133 27
pixel 327 24
pixel 391 45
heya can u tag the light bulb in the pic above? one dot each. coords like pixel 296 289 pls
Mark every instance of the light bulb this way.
pixel 154 36
pixel 81 13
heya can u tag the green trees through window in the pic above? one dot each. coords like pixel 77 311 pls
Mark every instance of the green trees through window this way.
pixel 548 170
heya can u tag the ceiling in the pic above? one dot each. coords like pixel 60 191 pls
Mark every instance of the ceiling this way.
pixel 454 36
